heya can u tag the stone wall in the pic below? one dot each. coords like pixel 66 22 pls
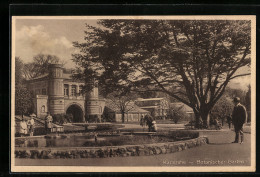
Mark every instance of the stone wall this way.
pixel 41 105
pixel 109 151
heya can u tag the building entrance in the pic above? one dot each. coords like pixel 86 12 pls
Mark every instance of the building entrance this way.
pixel 76 112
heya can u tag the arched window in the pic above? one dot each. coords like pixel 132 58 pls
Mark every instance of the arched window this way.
pixel 66 89
pixel 43 109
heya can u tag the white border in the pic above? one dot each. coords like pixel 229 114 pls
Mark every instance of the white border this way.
pixel 153 168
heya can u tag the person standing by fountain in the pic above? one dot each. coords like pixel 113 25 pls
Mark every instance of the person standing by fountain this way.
pixel 142 122
pixel 48 123
pixel 154 126
pixel 95 137
pixel 149 120
pixel 23 128
pixel 30 125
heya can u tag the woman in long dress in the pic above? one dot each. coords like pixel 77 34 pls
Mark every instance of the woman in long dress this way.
pixel 23 128
pixel 48 123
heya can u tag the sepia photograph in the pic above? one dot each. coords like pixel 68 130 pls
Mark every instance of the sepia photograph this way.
pixel 133 94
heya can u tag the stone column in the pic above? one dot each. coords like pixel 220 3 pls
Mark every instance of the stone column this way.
pixel 56 95
pixel 69 90
pixel 77 90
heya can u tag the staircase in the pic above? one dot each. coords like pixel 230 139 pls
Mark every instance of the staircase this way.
pixel 38 123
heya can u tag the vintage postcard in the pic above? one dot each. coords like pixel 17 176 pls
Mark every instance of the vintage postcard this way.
pixel 133 94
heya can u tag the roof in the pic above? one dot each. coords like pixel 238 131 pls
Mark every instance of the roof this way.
pixel 182 106
pixel 143 107
pixel 138 109
pixel 39 77
pixel 149 99
pixel 67 76
pixel 131 108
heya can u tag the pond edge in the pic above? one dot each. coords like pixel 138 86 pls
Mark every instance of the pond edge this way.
pixel 108 151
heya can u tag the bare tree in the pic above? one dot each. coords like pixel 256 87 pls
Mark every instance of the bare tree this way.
pixel 40 65
pixel 123 103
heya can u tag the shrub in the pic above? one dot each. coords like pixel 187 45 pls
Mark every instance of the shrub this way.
pixel 69 117
pixel 39 131
pixel 61 119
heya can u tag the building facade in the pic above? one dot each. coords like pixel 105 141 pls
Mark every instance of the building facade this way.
pixel 158 107
pixel 133 113
pixel 57 93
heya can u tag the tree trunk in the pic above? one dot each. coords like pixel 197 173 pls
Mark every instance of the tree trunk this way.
pixel 123 117
pixel 205 118
pixel 197 119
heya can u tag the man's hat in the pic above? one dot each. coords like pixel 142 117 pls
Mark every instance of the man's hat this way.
pixel 236 99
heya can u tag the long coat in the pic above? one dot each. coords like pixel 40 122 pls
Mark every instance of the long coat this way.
pixel 23 127
pixel 48 121
pixel 239 115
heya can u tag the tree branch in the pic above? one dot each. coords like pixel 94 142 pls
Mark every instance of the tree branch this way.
pixel 162 87
pixel 240 75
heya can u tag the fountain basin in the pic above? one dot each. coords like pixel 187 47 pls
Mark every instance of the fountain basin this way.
pixel 85 146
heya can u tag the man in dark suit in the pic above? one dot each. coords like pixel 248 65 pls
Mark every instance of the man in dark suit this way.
pixel 149 121
pixel 239 117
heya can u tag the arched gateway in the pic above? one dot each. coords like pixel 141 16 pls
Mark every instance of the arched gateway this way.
pixel 76 112
pixel 58 93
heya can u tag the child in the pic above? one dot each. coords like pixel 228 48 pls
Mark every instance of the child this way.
pixel 154 126
pixel 30 125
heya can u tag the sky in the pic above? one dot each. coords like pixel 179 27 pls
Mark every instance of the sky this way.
pixel 49 36
pixel 55 37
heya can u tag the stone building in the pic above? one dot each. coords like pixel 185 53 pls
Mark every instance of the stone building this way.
pixel 158 107
pixel 133 113
pixel 57 93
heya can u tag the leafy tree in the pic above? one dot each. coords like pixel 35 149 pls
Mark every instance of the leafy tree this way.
pixel 236 92
pixel 177 113
pixel 19 79
pixel 248 102
pixel 223 108
pixel 248 98
pixel 197 56
pixel 40 65
pixel 225 105
pixel 23 98
pixel 121 101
